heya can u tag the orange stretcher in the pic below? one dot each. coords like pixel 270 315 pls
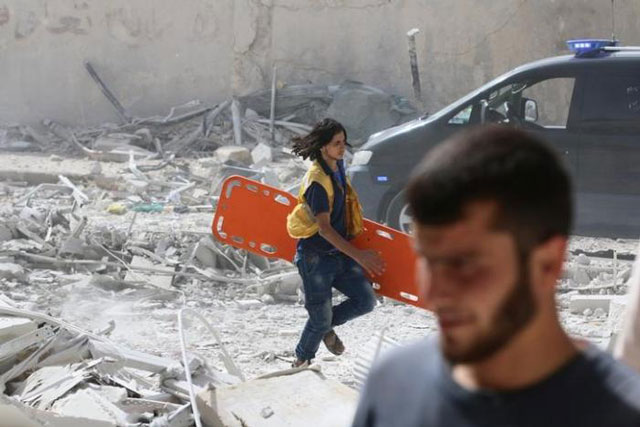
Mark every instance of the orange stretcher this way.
pixel 253 216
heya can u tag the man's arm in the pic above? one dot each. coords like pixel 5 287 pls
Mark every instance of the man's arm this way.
pixel 318 202
pixel 368 259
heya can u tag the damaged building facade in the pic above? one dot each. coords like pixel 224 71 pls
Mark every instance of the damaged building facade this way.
pixel 165 54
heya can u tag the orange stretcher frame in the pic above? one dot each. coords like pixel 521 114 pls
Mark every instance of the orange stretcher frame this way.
pixel 253 216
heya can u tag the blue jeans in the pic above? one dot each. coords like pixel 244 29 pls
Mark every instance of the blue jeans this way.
pixel 320 273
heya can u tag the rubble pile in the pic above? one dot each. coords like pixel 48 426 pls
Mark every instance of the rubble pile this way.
pixel 193 130
pixel 594 287
pixel 91 240
pixel 55 374
pixel 93 226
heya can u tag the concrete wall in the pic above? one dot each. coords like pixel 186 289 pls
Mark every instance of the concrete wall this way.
pixel 157 54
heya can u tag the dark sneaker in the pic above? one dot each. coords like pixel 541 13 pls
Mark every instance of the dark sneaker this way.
pixel 333 343
pixel 300 363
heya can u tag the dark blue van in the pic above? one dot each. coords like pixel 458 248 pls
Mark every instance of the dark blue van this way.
pixel 587 106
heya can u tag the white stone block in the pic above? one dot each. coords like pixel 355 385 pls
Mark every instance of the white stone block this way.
pixel 11 271
pixel 303 398
pixel 233 152
pixel 579 303
pixel 161 281
pixel 204 254
pixel 248 304
pixel 262 154
pixel 12 327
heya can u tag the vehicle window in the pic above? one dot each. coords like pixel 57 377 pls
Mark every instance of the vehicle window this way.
pixel 612 103
pixel 501 102
pixel 463 117
pixel 498 97
pixel 553 98
pixel 496 101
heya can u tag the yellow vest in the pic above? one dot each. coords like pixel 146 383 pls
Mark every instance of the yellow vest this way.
pixel 302 224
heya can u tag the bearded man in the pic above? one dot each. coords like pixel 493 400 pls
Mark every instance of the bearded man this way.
pixel 492 212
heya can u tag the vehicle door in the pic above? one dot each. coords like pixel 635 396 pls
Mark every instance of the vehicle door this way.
pixel 545 108
pixel 609 157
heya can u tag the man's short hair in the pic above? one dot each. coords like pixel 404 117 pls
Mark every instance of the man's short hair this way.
pixel 524 176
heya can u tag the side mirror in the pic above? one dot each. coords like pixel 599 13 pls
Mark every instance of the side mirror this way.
pixel 530 111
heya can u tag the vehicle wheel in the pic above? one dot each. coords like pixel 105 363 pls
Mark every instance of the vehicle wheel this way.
pixel 398 215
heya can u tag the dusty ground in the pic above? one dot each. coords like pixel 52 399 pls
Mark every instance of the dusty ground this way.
pixel 260 339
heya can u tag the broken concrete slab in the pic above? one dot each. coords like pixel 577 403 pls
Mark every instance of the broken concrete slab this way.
pixel 582 259
pixel 270 177
pixel 249 304
pixel 234 153
pixel 204 253
pixel 118 149
pixel 261 155
pixel 580 303
pixel 267 299
pixel 17 345
pixel 86 403
pixel 259 261
pixel 5 233
pixel 60 393
pixel 38 170
pixel 13 327
pixel 72 246
pixel 18 146
pixel 102 281
pixel 11 271
pixel 16 414
pixel 289 285
pixel 12 415
pixel 110 142
pixel 161 281
pixel 299 398
pixel 131 358
pixel 47 384
pixel 580 275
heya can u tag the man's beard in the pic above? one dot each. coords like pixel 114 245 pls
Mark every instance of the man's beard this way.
pixel 515 312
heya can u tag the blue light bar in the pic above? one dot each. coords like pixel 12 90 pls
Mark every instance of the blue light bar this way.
pixel 382 178
pixel 589 47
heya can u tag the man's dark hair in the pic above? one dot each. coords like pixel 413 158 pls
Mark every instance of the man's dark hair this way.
pixel 524 176
pixel 309 146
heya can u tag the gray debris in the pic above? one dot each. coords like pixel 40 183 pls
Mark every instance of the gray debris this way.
pixel 234 153
pixel 84 379
pixel 261 155
pixel 5 233
pixel 11 271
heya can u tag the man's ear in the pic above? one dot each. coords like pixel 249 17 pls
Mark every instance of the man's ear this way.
pixel 546 261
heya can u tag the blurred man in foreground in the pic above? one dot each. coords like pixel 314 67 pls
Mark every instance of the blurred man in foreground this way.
pixel 492 213
pixel 627 346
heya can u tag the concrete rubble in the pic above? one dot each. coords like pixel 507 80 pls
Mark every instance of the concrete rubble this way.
pixel 105 237
pixel 108 229
pixel 594 288
pixel 54 373
pixel 290 398
pixel 193 129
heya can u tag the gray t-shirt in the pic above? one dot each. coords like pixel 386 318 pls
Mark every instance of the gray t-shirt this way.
pixel 413 386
